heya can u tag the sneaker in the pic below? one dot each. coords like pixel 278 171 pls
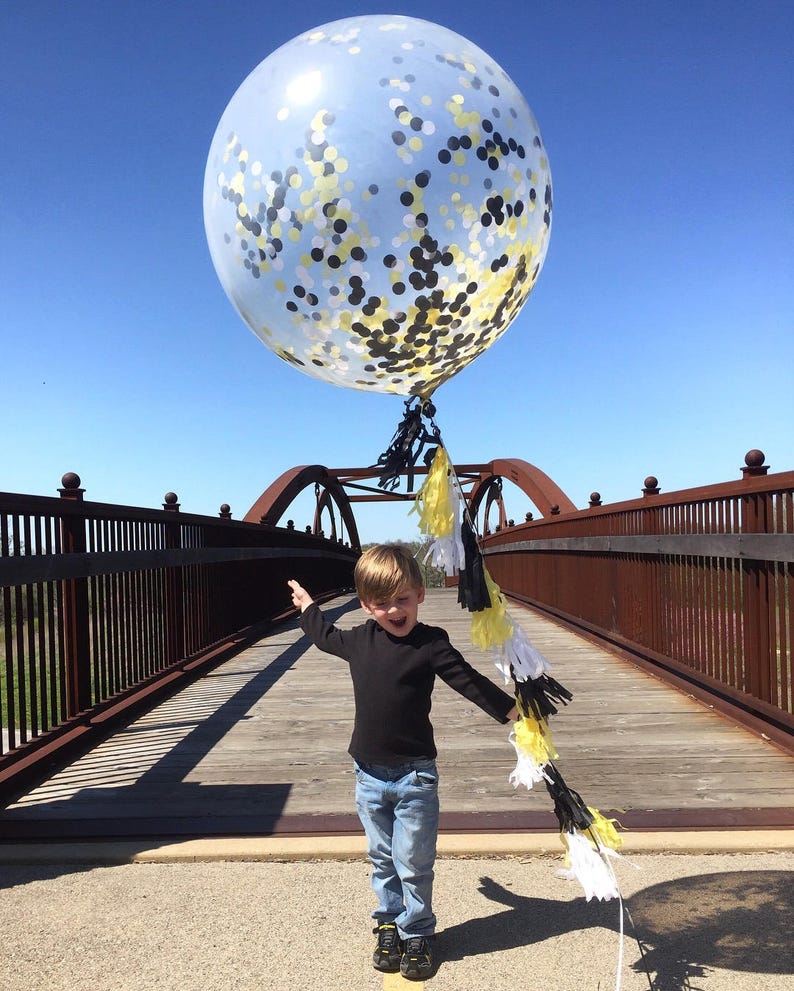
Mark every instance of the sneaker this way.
pixel 388 952
pixel 417 959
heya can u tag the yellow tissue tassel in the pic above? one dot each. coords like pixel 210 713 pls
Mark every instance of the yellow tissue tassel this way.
pixel 534 738
pixel 491 627
pixel 432 502
pixel 604 830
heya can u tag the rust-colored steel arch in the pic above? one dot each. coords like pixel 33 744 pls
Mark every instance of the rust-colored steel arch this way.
pixel 478 481
pixel 543 492
pixel 274 501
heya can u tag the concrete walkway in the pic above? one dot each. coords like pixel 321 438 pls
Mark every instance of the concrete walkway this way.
pixel 292 914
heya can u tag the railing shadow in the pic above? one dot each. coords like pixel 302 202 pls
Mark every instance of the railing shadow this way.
pixel 738 921
pixel 147 768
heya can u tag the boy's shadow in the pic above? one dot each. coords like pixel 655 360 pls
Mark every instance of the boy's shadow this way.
pixel 738 921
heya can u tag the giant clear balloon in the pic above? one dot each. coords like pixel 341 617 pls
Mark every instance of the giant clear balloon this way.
pixel 377 202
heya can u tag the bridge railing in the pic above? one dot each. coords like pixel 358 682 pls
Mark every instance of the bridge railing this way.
pixel 697 583
pixel 101 604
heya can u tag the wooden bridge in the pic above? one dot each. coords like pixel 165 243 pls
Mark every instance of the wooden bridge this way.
pixel 154 680
pixel 257 746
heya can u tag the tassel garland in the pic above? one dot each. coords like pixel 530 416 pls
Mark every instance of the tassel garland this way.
pixel 589 837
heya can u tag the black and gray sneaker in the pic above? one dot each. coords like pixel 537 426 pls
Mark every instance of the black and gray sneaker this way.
pixel 417 959
pixel 388 952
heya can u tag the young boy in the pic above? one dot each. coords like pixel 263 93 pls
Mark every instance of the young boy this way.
pixel 393 662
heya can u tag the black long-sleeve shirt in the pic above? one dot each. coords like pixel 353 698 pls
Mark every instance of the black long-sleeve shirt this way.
pixel 393 680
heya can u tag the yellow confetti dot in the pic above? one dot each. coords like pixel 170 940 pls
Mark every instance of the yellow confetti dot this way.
pixel 427 100
pixel 354 50
pixel 295 180
pixel 331 154
pixel 341 165
pixel 294 235
pixel 280 285
pixel 457 98
pixel 242 210
pixel 415 144
pixel 459 158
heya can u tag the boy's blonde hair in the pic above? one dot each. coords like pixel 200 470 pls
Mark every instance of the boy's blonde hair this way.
pixel 384 570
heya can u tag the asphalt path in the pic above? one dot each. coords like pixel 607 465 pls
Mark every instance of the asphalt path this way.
pixel 178 918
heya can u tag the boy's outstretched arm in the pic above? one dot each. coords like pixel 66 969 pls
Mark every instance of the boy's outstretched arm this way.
pixel 300 597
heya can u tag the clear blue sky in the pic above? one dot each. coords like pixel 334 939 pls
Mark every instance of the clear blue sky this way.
pixel 658 339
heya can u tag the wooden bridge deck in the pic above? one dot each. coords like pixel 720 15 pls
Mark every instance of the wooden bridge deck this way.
pixel 259 745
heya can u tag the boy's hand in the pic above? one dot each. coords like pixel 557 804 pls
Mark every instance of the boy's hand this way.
pixel 300 597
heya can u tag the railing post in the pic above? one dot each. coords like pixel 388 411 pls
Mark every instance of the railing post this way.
pixel 75 623
pixel 174 592
pixel 756 588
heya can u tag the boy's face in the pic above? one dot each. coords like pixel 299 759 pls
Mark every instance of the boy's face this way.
pixel 398 615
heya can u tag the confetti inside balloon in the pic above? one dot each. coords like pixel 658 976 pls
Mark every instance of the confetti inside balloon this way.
pixel 377 202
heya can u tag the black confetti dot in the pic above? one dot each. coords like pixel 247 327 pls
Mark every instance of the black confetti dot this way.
pixel 398 137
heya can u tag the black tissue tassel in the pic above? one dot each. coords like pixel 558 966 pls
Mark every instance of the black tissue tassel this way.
pixel 538 696
pixel 473 592
pixel 569 808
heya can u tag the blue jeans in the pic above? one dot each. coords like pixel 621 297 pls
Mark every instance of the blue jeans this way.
pixel 398 808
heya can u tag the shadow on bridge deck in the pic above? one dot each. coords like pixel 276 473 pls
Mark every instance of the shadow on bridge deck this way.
pixel 257 747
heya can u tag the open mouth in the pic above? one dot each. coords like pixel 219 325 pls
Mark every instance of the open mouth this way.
pixel 399 623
